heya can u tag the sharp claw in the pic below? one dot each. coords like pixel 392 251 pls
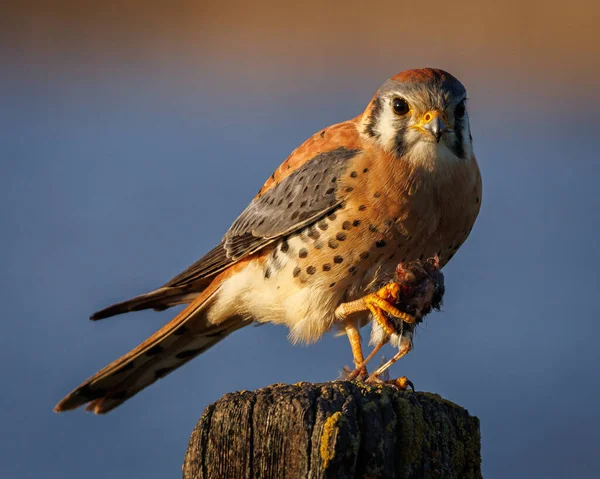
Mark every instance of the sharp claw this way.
pixel 402 383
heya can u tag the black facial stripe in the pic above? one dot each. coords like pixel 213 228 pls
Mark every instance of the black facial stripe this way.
pixel 400 146
pixel 375 113
pixel 458 147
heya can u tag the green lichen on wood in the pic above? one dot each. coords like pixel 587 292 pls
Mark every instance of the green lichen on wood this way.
pixel 410 432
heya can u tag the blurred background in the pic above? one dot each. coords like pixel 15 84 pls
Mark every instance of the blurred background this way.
pixel 133 133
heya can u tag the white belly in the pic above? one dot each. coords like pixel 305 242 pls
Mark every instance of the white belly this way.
pixel 305 303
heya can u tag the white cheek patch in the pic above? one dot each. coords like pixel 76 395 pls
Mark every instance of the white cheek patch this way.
pixel 387 128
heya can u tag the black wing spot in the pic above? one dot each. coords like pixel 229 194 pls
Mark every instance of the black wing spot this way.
pixel 127 367
pixel 154 350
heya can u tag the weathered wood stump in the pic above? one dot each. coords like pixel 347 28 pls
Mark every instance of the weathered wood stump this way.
pixel 339 429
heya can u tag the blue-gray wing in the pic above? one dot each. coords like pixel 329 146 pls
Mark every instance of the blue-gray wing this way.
pixel 301 199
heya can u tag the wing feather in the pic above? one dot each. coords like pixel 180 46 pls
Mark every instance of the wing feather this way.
pixel 300 192
pixel 300 199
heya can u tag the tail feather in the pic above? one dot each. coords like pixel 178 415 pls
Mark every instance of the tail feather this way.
pixel 159 299
pixel 182 339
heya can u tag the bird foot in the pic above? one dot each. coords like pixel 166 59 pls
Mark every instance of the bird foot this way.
pixel 384 300
pixel 401 383
pixel 358 374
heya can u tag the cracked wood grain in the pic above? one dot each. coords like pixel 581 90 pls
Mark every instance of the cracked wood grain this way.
pixel 339 429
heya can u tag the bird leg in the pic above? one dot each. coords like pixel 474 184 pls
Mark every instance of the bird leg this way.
pixel 376 303
pixel 354 338
pixel 401 382
pixel 361 367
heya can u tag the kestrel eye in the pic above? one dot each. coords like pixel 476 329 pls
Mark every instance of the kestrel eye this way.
pixel 400 106
pixel 460 110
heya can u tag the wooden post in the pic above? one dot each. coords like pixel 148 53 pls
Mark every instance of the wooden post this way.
pixel 339 429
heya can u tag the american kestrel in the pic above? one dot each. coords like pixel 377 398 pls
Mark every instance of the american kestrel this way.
pixel 398 183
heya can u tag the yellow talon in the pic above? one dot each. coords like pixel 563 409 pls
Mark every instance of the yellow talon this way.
pixel 380 301
pixel 389 291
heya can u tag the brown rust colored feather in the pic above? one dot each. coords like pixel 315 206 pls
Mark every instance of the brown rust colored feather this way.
pixel 343 134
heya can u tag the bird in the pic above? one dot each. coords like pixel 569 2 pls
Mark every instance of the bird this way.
pixel 397 183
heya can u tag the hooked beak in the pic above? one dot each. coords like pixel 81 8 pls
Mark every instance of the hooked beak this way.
pixel 433 124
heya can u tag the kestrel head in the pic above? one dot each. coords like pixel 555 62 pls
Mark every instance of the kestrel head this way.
pixel 421 115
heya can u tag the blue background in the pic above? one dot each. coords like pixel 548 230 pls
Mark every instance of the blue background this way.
pixel 119 170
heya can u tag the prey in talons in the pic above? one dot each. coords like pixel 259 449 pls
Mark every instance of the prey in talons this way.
pixel 417 289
